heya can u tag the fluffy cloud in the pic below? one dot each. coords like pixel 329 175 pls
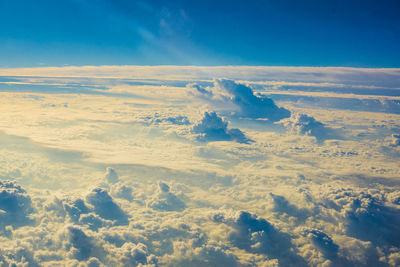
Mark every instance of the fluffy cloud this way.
pixel 364 212
pixel 18 256
pixel 104 205
pixel 136 254
pixel 80 245
pixel 324 243
pixel 303 124
pixel 257 235
pixel 111 175
pixel 316 201
pixel 214 128
pixel 282 205
pixel 15 205
pixel 121 190
pixel 74 207
pixel 165 200
pixel 185 254
pixel 250 105
pixel 237 98
pixel 94 221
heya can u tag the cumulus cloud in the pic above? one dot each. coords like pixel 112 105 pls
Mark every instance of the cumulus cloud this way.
pixel 111 175
pixel 121 190
pixel 166 200
pixel 346 187
pixel 282 205
pixel 324 243
pixel 15 205
pixel 357 212
pixel 214 128
pixel 365 212
pixel 80 245
pixel 303 124
pixel 104 205
pixel 135 255
pixel 185 254
pixel 251 105
pixel 94 221
pixel 257 235
pixel 18 256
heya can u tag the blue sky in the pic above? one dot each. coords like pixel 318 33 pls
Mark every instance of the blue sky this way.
pixel 118 32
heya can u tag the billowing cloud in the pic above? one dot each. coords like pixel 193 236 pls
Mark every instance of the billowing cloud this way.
pixel 316 202
pixel 79 243
pixel 251 105
pixel 104 205
pixel 282 205
pixel 259 236
pixel 303 124
pixel 15 205
pixel 75 207
pixel 111 175
pixel 121 190
pixel 136 255
pixel 214 128
pixel 364 212
pixel 94 221
pixel 166 200
pixel 324 243
pixel 204 255
pixel 238 99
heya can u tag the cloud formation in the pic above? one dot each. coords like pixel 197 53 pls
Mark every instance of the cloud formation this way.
pixel 281 200
pixel 303 124
pixel 79 244
pixel 165 200
pixel 214 128
pixel 104 205
pixel 15 205
pixel 257 235
pixel 111 175
pixel 250 105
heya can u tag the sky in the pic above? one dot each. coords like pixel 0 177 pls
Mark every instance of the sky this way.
pixel 119 32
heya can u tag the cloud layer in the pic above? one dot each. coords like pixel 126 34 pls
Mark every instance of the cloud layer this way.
pixel 171 166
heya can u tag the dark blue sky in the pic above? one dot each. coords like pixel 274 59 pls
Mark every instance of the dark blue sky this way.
pixel 117 32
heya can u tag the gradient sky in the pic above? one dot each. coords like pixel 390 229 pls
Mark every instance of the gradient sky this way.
pixel 119 32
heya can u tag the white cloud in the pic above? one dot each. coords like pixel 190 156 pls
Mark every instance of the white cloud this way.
pixel 306 125
pixel 15 205
pixel 111 175
pixel 165 200
pixel 257 235
pixel 214 128
pixel 282 199
pixel 79 244
pixel 250 105
pixel 104 205
pixel 136 254
pixel 121 190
